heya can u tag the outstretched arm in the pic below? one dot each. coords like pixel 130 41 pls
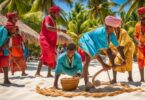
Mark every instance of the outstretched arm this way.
pixel 54 29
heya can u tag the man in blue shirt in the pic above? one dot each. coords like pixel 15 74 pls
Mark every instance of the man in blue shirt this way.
pixel 98 40
pixel 69 63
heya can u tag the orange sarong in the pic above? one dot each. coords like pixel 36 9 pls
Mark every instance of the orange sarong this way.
pixel 140 36
pixel 18 62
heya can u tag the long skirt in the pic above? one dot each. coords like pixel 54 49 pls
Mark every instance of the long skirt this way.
pixel 48 53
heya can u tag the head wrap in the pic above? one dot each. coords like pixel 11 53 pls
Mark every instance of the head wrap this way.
pixel 141 11
pixel 10 15
pixel 54 9
pixel 113 21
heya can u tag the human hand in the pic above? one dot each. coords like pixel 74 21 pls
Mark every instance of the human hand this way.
pixel 106 67
pixel 77 75
pixel 62 30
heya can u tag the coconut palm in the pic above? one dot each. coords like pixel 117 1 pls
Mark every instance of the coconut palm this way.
pixel 128 23
pixel 134 5
pixel 21 7
pixel 79 22
pixel 100 8
pixel 30 11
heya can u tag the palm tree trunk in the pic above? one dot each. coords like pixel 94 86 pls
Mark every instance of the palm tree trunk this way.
pixel 4 4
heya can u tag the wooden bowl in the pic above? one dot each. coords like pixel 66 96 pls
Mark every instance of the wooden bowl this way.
pixel 69 84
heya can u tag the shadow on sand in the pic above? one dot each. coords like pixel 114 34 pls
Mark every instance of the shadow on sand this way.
pixel 21 77
pixel 13 84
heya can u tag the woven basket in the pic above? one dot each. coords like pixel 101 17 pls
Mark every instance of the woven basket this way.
pixel 69 84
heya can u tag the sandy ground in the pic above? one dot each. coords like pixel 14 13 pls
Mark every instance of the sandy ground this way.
pixel 23 88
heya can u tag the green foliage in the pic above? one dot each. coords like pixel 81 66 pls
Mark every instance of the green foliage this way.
pixel 33 19
pixel 100 9
pixel 34 50
pixel 79 22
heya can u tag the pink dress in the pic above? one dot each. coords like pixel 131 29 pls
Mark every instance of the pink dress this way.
pixel 48 40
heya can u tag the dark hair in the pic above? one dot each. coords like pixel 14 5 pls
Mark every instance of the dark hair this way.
pixel 71 46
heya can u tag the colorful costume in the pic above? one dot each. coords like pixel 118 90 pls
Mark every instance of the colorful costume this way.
pixel 4 55
pixel 129 47
pixel 63 65
pixel 17 55
pixel 48 40
pixel 94 41
pixel 140 36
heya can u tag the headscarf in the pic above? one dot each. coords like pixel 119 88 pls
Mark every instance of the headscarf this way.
pixel 113 21
pixel 141 11
pixel 10 15
pixel 54 9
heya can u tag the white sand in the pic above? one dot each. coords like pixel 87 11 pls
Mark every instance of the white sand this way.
pixel 24 88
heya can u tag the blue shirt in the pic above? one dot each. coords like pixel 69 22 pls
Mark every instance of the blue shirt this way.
pixel 63 66
pixel 94 41
pixel 100 38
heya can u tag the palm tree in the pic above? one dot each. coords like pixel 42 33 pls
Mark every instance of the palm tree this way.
pixel 134 5
pixel 30 11
pixel 128 23
pixel 79 22
pixel 100 8
pixel 21 7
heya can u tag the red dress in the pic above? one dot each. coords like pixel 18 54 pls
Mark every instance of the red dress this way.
pixel 48 40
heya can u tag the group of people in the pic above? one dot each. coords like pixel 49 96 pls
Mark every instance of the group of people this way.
pixel 109 39
pixel 12 48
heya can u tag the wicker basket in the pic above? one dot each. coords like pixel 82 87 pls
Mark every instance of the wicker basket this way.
pixel 69 84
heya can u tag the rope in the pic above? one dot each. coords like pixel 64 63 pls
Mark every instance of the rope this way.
pixel 55 93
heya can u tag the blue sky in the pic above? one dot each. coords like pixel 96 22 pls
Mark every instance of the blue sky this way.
pixel 67 9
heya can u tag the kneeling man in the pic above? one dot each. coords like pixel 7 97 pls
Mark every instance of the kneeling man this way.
pixel 69 63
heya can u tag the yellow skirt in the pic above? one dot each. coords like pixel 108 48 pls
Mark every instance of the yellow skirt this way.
pixel 129 58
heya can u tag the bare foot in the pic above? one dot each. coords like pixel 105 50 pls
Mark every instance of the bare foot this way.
pixel 87 88
pixel 56 87
pixel 130 79
pixel 38 75
pixel 7 82
pixel 113 81
pixel 142 80
pixel 24 74
pixel 49 75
